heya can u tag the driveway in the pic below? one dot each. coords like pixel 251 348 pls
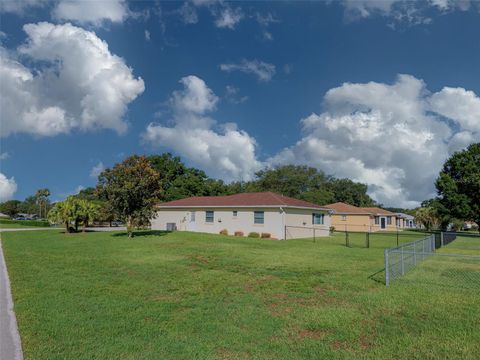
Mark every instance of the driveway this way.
pixel 10 345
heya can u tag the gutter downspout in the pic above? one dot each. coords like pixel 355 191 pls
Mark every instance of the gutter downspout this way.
pixel 283 230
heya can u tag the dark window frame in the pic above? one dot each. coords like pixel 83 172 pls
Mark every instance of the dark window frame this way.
pixel 259 220
pixel 318 216
pixel 208 218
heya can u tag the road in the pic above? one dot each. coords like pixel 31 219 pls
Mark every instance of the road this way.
pixel 10 344
pixel 107 228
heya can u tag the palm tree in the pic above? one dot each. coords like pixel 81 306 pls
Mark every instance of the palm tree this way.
pixel 65 212
pixel 42 199
pixel 89 211
pixel 59 214
pixel 428 217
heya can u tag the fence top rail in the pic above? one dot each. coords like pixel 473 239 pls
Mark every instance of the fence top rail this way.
pixel 399 248
pixel 464 256
pixel 321 227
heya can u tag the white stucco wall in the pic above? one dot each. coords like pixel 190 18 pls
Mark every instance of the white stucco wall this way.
pixel 274 221
pixel 299 224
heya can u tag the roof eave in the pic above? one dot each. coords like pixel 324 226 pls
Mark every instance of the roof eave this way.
pixel 240 206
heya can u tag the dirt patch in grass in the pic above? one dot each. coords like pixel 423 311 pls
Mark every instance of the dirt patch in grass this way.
pixel 339 345
pixel 227 354
pixel 279 309
pixel 312 334
pixel 253 286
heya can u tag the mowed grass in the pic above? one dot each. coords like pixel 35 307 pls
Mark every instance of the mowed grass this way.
pixel 19 224
pixel 197 296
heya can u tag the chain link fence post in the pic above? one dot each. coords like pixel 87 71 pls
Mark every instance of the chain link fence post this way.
pixel 387 269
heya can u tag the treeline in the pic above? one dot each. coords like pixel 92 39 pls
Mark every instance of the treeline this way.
pixel 458 193
pixel 179 181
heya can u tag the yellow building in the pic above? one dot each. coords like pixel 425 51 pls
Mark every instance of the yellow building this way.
pixel 346 217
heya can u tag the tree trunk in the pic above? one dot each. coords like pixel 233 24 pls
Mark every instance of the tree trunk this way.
pixel 130 227
pixel 67 230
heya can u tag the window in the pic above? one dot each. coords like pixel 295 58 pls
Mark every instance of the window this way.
pixel 344 217
pixel 209 216
pixel 235 213
pixel 192 216
pixel 377 220
pixel 258 217
pixel 389 220
pixel 317 219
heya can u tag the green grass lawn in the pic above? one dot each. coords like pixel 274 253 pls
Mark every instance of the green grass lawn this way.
pixel 196 296
pixel 19 224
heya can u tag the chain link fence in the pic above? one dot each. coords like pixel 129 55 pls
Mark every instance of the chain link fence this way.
pixel 443 259
pixel 379 240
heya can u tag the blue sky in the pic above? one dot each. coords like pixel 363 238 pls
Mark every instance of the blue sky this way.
pixel 380 92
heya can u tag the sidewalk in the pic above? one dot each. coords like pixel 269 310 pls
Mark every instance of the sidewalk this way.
pixel 10 345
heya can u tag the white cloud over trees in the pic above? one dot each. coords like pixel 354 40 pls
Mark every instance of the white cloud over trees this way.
pixel 222 150
pixel 79 83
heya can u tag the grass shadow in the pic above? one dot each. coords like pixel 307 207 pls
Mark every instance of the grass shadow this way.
pixel 378 276
pixel 144 233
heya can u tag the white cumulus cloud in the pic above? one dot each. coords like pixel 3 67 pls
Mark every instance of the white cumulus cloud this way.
pixel 8 187
pixel 221 150
pixel 228 17
pixel 392 137
pixel 262 70
pixel 78 84
pixel 91 12
pixel 97 170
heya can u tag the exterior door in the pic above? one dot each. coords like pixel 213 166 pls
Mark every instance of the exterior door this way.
pixel 192 226
pixel 383 223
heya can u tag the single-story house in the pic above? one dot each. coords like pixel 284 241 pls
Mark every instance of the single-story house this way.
pixel 346 217
pixel 262 212
pixel 382 219
pixel 405 221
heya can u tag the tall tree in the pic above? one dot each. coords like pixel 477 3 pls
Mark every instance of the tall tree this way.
pixel 132 188
pixel 458 184
pixel 179 181
pixel 42 201
pixel 350 192
pixel 297 181
pixel 10 207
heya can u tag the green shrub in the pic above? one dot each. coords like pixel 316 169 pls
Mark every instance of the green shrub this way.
pixel 224 232
pixel 266 235
pixel 332 229
pixel 254 235
pixel 239 233
pixel 40 223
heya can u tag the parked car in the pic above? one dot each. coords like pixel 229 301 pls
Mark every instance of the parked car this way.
pixel 20 218
pixel 117 223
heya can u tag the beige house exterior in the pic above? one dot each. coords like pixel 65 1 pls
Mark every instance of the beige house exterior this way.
pixel 346 217
pixel 280 216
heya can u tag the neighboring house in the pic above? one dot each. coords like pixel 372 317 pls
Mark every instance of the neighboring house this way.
pixel 382 219
pixel 261 212
pixel 346 217
pixel 405 221
pixel 4 216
